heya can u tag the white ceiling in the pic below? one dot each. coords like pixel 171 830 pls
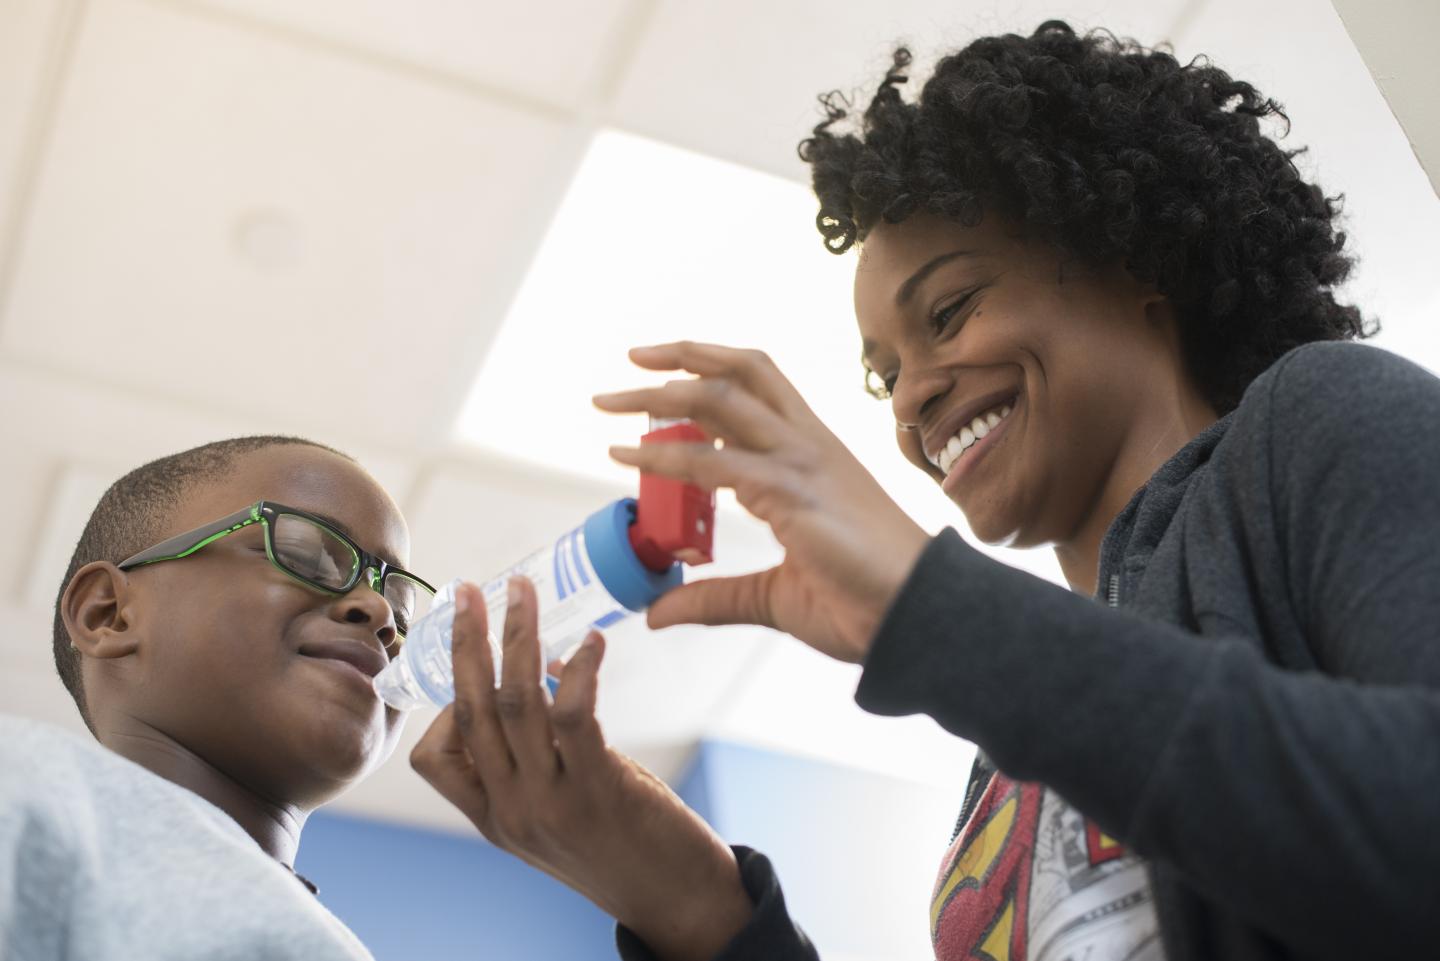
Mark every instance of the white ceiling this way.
pixel 214 213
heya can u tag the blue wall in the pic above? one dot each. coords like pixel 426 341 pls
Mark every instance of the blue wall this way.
pixel 856 853
pixel 412 895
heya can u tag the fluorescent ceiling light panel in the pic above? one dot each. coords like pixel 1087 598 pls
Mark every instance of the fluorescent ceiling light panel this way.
pixel 654 243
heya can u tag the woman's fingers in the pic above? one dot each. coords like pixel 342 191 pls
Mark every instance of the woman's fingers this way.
pixel 719 600
pixel 441 758
pixel 724 408
pixel 698 464
pixel 577 732
pixel 521 703
pixel 474 707
pixel 752 368
pixel 763 483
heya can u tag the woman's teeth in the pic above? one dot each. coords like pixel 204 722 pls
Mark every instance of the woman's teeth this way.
pixel 963 441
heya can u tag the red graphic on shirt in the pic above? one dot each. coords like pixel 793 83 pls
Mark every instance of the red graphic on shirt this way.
pixel 980 907
pixel 1100 846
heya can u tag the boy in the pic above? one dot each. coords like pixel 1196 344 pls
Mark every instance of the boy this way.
pixel 218 628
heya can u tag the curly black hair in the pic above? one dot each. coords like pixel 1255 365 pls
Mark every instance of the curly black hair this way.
pixel 1108 150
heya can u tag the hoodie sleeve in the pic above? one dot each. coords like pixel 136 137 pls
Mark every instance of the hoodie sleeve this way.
pixel 1301 801
pixel 770 934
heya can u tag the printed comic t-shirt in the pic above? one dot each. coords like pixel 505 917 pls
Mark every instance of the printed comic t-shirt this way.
pixel 1029 878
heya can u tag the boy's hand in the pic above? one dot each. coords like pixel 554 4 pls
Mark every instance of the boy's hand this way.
pixel 539 781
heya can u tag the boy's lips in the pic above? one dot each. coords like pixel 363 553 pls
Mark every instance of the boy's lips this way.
pixel 364 658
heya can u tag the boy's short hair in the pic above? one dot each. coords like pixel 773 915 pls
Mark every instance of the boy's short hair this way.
pixel 133 513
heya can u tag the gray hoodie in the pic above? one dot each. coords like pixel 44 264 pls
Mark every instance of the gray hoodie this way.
pixel 1253 702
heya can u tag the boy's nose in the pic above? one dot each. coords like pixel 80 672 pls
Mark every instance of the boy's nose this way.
pixel 364 606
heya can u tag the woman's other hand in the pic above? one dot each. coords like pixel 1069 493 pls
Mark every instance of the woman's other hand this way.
pixel 539 781
pixel 848 546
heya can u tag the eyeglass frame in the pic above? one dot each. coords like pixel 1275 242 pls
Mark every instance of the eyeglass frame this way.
pixel 264 513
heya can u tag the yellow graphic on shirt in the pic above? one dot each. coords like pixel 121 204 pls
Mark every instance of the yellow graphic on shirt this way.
pixel 996 946
pixel 976 860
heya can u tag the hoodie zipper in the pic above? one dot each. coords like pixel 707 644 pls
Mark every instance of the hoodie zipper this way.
pixel 1113 597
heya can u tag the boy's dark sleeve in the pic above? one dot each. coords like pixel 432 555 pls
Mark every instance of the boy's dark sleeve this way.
pixel 1304 802
pixel 770 934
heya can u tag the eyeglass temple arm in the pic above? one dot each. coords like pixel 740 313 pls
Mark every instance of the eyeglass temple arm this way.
pixel 182 545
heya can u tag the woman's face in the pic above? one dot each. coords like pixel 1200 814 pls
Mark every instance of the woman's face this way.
pixel 981 331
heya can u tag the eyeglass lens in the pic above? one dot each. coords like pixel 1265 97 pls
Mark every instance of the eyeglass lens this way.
pixel 313 553
pixel 409 599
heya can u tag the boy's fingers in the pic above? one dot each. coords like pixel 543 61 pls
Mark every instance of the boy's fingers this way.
pixel 474 707
pixel 577 732
pixel 441 759
pixel 521 703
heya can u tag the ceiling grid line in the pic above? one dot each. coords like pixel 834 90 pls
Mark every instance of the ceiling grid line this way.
pixel 161 397
pixel 440 77
pixel 34 533
pixel 615 67
pixel 1184 20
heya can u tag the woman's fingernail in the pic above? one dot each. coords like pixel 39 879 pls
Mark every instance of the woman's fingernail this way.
pixel 512 592
pixel 462 600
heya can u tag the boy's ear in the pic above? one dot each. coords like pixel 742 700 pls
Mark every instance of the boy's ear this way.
pixel 95 609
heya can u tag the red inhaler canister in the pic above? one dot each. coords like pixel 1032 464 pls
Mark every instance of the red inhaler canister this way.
pixel 674 521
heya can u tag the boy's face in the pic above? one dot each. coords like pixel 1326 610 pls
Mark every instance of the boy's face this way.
pixel 230 659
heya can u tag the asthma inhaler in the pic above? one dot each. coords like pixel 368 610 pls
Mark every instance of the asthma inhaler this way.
pixel 615 564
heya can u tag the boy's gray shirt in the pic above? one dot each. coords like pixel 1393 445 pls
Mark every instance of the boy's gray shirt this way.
pixel 102 860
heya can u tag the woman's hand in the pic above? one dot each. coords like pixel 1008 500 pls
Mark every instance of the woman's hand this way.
pixel 848 546
pixel 539 781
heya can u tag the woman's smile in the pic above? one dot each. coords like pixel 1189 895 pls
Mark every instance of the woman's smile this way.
pixel 966 448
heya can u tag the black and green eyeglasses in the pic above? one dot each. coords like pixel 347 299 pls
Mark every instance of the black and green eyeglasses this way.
pixel 309 549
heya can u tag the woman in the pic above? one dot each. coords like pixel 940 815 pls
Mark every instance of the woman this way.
pixel 1084 283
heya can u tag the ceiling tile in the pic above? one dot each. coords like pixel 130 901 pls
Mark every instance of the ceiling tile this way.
pixel 89 435
pixel 24 485
pixel 554 51
pixel 282 232
pixel 29 31
pixel 71 500
pixel 739 79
